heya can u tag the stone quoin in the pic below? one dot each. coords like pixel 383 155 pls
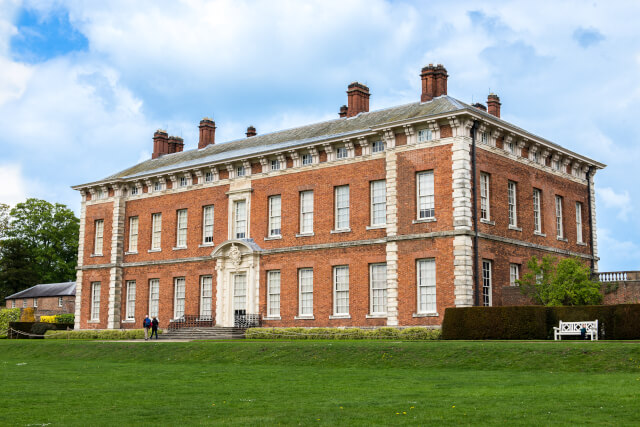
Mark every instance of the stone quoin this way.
pixel 365 220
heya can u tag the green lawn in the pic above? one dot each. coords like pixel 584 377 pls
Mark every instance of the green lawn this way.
pixel 318 383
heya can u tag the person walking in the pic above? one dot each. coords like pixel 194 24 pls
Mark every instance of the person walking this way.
pixel 154 327
pixel 146 324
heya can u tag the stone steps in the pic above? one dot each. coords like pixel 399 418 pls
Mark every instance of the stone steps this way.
pixel 211 333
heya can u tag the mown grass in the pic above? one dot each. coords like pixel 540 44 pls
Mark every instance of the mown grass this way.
pixel 318 383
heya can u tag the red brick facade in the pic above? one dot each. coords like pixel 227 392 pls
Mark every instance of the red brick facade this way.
pixel 435 142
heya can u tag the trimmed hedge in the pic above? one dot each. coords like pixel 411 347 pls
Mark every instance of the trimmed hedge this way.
pixel 35 328
pixel 94 334
pixel 408 334
pixel 615 322
pixel 494 323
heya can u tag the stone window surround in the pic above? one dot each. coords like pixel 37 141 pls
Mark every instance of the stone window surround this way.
pixel 495 131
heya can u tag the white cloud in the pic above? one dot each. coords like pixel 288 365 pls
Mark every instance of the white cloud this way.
pixel 620 202
pixel 15 187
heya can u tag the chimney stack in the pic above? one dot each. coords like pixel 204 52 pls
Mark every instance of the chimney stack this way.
pixel 207 132
pixel 160 144
pixel 343 111
pixel 493 104
pixel 434 82
pixel 358 99
pixel 480 106
pixel 251 131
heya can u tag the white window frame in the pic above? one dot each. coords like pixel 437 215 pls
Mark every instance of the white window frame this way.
pixel 307 159
pixel 425 135
pixel 133 234
pixel 425 186
pixel 208 177
pixel 135 190
pixel 378 289
pixel 484 138
pixel 275 164
pixel 485 191
pixel 239 300
pixel 537 210
pixel 487 283
pixel 35 303
pixel 60 302
pixel 305 292
pixel 206 297
pixel 340 294
pixel 275 215
pixel 377 146
pixel 427 302
pixel 156 231
pixel 342 208
pixel 179 294
pixel 579 222
pixel 512 196
pixel 559 222
pixel 306 212
pixel 131 300
pixel 378 197
pixel 157 186
pixel 207 224
pixel 514 274
pixel 510 147
pixel 342 152
pixel 184 181
pixel 154 297
pixel 240 171
pixel 273 293
pixel 181 228
pixel 240 219
pixel 13 303
pixel 25 304
pixel 98 242
pixel 95 301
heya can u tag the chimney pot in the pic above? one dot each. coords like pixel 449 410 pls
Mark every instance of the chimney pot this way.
pixel 251 131
pixel 207 132
pixel 493 105
pixel 357 99
pixel 160 143
pixel 343 111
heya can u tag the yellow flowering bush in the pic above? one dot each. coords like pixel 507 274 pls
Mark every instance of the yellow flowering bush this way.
pixel 48 319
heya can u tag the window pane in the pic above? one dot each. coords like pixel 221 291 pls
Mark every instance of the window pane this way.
pixel 207 224
pixel 342 207
pixel 178 303
pixel 378 288
pixel 306 291
pixel 205 296
pixel 486 283
pixel 241 219
pixel 154 297
pixel 341 289
pixel 273 284
pixel 378 203
pixel 133 234
pixel 181 240
pixel 131 299
pixel 426 207
pixel 306 212
pixel 274 215
pixel 240 292
pixel 426 286
pixel 156 226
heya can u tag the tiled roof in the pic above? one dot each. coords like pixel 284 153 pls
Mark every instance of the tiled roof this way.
pixel 47 290
pixel 337 128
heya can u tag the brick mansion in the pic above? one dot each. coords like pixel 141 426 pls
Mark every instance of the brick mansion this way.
pixel 375 218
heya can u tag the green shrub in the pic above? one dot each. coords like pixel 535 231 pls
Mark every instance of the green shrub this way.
pixel 65 318
pixel 8 315
pixel 626 322
pixel 386 333
pixel 94 334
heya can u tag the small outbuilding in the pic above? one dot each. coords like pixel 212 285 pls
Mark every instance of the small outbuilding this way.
pixel 47 299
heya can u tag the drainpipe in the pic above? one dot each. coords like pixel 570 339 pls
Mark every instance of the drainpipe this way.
pixel 590 217
pixel 476 271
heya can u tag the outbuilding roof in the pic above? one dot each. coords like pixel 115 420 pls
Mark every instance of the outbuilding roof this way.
pixel 47 290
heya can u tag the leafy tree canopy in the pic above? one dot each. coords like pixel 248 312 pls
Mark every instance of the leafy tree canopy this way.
pixel 40 245
pixel 566 282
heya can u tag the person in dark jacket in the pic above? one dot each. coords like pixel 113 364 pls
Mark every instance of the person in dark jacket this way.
pixel 154 327
pixel 146 324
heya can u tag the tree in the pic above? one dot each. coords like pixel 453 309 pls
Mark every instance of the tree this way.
pixel 566 282
pixel 17 267
pixel 50 234
pixel 4 220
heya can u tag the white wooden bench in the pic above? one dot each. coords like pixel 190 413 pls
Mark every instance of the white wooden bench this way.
pixel 573 328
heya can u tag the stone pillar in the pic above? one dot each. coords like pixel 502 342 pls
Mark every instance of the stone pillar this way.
pixel 594 229
pixel 392 230
pixel 462 222
pixel 117 253
pixel 83 216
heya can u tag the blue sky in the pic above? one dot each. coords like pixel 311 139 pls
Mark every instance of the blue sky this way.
pixel 83 85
